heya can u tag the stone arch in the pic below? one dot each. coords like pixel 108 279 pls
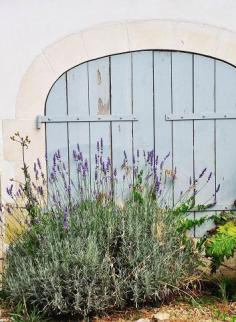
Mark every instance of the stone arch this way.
pixel 96 42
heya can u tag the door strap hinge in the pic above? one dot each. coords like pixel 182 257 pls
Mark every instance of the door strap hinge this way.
pixel 84 118
pixel 203 116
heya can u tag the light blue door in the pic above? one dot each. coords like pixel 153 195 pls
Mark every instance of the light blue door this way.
pixel 184 104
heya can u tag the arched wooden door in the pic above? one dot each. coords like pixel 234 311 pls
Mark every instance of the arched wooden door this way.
pixel 164 101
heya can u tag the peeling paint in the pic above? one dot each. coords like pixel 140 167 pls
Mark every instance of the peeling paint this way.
pixel 99 77
pixel 103 108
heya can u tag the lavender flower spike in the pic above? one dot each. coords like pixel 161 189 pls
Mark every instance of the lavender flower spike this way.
pixel 209 177
pixel 65 222
pixel 101 144
pixel 202 173
pixel 39 164
pixel 9 190
pixel 218 188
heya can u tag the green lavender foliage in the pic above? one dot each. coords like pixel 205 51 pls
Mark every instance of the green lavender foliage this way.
pixel 81 253
pixel 107 257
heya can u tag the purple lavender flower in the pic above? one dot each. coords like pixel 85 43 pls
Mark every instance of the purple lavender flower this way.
pixel 167 156
pixel 52 176
pixel 86 165
pixel 74 155
pixel 108 164
pixel 79 168
pixel 157 185
pixel 125 155
pixel 83 171
pixel 69 190
pixel 65 221
pixel 40 190
pixel 209 177
pixel 202 173
pixel 115 172
pixel 58 155
pixel 103 167
pixel 54 198
pixel 156 160
pixel 36 175
pixel 39 163
pixel 98 146
pixel 96 159
pixel 35 167
pixel 9 190
pixel 101 144
pixel 54 159
pixel 96 175
pixel 161 165
pixel 137 153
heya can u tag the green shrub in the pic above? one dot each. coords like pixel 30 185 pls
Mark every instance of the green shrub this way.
pixel 80 253
pixel 103 258
pixel 222 244
pixel 219 243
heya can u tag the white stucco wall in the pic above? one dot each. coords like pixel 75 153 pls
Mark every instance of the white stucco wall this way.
pixel 29 28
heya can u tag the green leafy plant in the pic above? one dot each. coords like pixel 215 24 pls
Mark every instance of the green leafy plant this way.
pixel 21 314
pixel 220 243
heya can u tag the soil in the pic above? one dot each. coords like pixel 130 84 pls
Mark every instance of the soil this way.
pixel 200 310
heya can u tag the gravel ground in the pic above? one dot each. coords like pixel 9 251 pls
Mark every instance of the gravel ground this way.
pixel 182 312
pixel 209 311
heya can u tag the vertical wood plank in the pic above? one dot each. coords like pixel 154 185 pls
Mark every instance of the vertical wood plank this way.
pixel 182 95
pixel 143 131
pixel 99 102
pixel 77 87
pixel 121 103
pixel 204 140
pixel 163 129
pixel 56 133
pixel 225 134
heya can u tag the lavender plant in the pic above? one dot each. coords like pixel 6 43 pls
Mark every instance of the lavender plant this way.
pixel 82 253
